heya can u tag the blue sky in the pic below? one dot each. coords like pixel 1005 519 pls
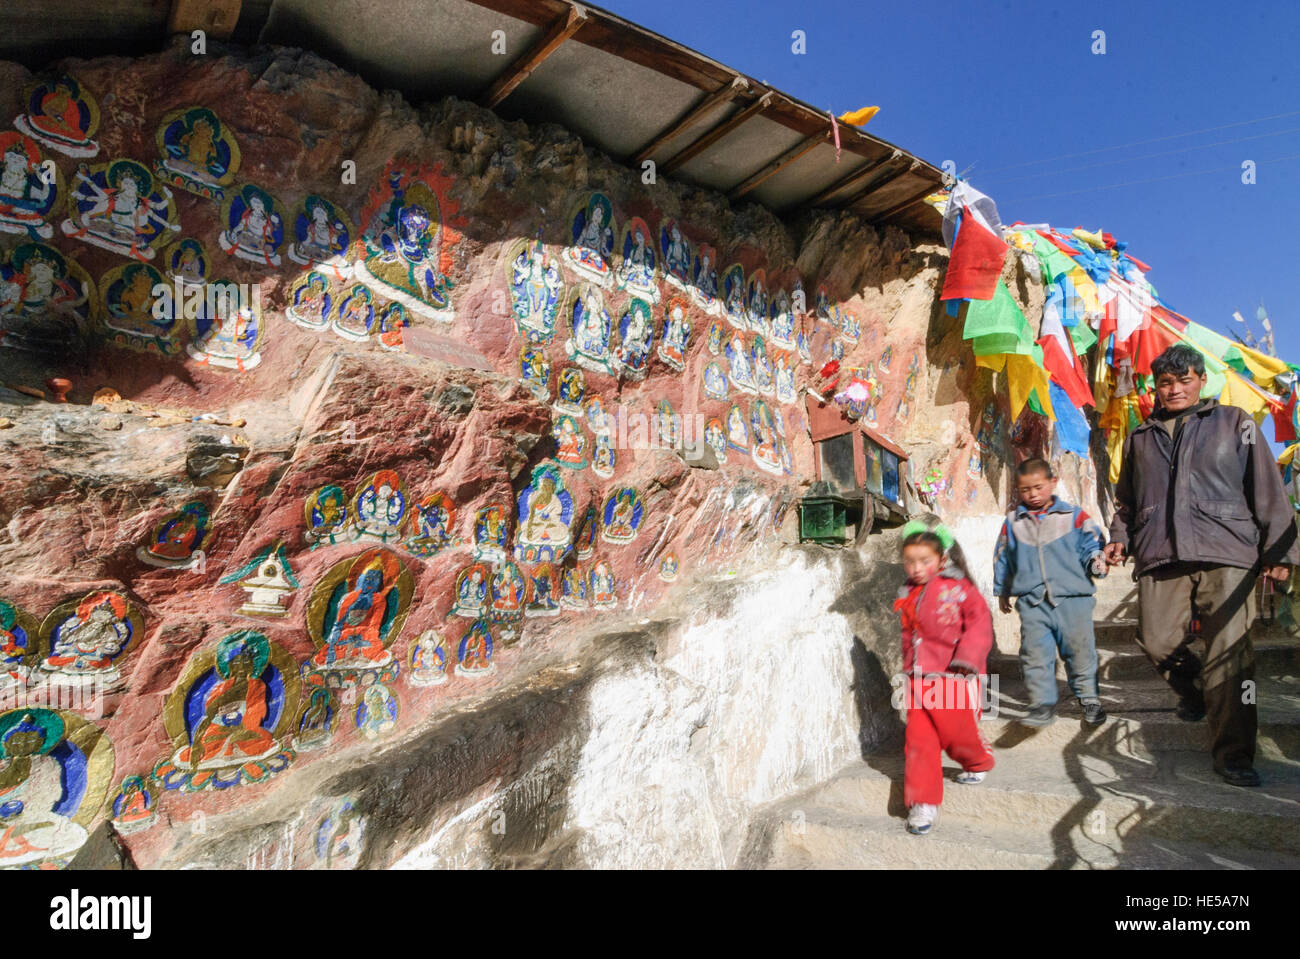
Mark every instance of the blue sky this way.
pixel 1006 86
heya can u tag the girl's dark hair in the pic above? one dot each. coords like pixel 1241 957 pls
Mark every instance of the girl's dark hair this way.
pixel 953 555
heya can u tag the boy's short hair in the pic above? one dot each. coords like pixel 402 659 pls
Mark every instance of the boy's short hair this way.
pixel 1035 464
pixel 1178 360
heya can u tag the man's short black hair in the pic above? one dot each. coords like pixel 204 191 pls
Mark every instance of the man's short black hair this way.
pixel 1178 360
pixel 1035 464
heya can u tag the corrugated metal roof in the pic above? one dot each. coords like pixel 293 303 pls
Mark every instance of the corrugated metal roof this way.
pixel 617 85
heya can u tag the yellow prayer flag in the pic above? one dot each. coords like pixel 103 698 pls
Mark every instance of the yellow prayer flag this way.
pixel 1263 368
pixel 1238 392
pixel 859 118
pixel 1024 376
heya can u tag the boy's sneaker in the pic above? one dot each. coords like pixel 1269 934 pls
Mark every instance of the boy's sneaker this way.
pixel 1191 709
pixel 921 817
pixel 967 778
pixel 1093 714
pixel 1039 716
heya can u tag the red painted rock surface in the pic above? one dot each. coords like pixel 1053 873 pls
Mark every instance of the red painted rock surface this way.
pixel 86 490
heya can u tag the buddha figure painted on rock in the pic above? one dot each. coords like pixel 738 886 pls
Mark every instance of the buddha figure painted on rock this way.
pixel 741 368
pixel 603 457
pixel 508 589
pixel 311 302
pixel 535 371
pixel 570 390
pixel 761 364
pixel 355 613
pixel 230 715
pixel 676 251
pixel 379 507
pixel 471 596
pixel 593 239
pixel 715 382
pixel 570 443
pixel 636 334
pixel 126 295
pixel 714 342
pixel 133 806
pixel 432 525
pixel 491 533
pixel 589 345
pixel 410 232
pixel 735 302
pixel 786 392
pixel 322 235
pixel 176 539
pixel 765 450
pixel 376 714
pixel 27 191
pixel 119 207
pixel 716 438
pixel 585 544
pixel 20 649
pixel 54 776
pixel 600 588
pixel 622 516
pixel 573 589
pixel 198 153
pixel 326 513
pixel 737 430
pixel 254 228
pixel 86 639
pixel 339 837
pixel 668 568
pixel 544 518
pixel 536 290
pixel 61 115
pixel 228 330
pixel 543 591
pixel 355 317
pixel 756 305
pixel 44 294
pixel 187 262
pixel 704 280
pixel 676 335
pixel 315 726
pixel 428 660
pixel 638 271
pixel 782 321
pixel 392 321
pixel 474 654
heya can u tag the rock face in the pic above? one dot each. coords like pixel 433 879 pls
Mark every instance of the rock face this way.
pixel 409 534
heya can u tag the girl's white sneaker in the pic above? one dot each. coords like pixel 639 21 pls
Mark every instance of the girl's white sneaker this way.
pixel 921 817
pixel 969 778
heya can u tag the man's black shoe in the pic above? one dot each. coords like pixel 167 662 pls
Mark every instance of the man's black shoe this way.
pixel 1191 709
pixel 1240 777
pixel 1040 716
pixel 1093 714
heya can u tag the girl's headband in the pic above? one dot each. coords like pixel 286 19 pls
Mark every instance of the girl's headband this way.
pixel 942 532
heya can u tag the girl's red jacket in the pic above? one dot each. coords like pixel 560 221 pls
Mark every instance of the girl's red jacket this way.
pixel 945 623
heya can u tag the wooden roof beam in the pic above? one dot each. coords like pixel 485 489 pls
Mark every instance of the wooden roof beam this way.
pixel 871 188
pixel 900 207
pixel 724 94
pixel 718 132
pixel 519 71
pixel 780 163
pixel 217 18
pixel 857 176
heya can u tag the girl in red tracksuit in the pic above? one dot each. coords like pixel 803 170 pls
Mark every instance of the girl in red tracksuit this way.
pixel 947 636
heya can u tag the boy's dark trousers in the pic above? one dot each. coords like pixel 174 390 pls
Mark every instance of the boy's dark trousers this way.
pixel 1224 600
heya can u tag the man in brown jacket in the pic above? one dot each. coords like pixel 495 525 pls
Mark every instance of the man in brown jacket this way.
pixel 1201 509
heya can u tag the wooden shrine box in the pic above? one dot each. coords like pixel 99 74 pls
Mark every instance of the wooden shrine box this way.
pixel 856 464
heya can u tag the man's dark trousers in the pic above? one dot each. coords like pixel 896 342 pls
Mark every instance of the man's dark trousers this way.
pixel 1224 601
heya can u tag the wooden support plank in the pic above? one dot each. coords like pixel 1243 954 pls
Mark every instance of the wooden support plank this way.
pixel 217 18
pixel 871 188
pixel 780 163
pixel 900 207
pixel 857 176
pixel 728 91
pixel 718 132
pixel 519 71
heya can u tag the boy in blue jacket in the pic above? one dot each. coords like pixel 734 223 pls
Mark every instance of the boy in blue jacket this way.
pixel 1047 555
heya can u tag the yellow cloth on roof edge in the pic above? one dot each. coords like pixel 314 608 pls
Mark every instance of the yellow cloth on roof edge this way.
pixel 859 118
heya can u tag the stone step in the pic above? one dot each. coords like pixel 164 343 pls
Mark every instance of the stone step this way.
pixel 1141 720
pixel 822 837
pixel 1128 661
pixel 1116 801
